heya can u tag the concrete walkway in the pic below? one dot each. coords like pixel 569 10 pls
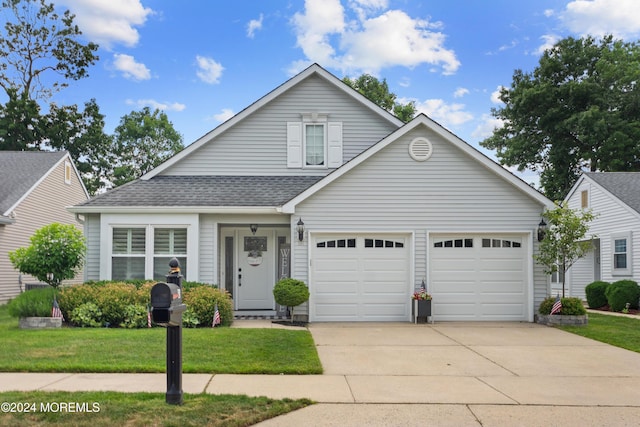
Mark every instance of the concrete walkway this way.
pixel 401 374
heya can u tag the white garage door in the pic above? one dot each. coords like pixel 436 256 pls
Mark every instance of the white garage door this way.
pixel 478 277
pixel 360 278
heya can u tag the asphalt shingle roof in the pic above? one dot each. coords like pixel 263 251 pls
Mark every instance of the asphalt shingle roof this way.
pixel 624 185
pixel 214 191
pixel 20 170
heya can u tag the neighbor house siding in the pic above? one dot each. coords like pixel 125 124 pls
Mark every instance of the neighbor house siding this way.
pixel 390 192
pixel 613 217
pixel 258 144
pixel 45 204
pixel 92 233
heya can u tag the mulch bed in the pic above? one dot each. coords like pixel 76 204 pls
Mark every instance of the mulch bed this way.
pixel 290 323
pixel 607 308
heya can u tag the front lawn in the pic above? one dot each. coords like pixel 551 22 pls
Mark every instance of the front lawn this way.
pixel 96 409
pixel 204 350
pixel 615 330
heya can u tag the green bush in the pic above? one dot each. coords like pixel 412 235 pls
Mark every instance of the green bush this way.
pixel 290 292
pixel 622 292
pixel 595 292
pixel 72 297
pixel 33 303
pixel 112 300
pixel 135 316
pixel 189 319
pixel 570 306
pixel 87 315
pixel 201 300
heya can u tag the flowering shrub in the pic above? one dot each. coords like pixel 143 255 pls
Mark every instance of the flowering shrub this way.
pixel 421 295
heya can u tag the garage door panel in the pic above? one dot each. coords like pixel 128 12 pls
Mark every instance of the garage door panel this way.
pixel 372 277
pixel 484 278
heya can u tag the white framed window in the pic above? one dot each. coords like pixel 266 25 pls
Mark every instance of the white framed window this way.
pixel 315 152
pixel 128 253
pixel 621 254
pixel 169 243
pixel 314 142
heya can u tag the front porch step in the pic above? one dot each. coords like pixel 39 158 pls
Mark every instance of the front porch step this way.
pixel 257 314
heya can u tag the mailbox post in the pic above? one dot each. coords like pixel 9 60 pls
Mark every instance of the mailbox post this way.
pixel 166 310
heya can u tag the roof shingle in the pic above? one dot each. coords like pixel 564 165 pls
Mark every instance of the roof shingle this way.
pixel 624 185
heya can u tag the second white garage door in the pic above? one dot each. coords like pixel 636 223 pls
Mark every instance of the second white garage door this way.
pixel 360 278
pixel 478 277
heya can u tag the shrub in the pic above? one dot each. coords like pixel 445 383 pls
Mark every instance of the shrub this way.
pixel 622 292
pixel 570 306
pixel 201 301
pixel 87 315
pixel 290 292
pixel 113 298
pixel 189 319
pixel 596 296
pixel 135 316
pixel 33 303
pixel 73 297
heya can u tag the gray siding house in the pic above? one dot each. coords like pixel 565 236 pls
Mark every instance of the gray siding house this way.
pixel 615 198
pixel 316 182
pixel 36 188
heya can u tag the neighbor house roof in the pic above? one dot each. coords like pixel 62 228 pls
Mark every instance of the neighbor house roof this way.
pixel 623 185
pixel 188 192
pixel 20 172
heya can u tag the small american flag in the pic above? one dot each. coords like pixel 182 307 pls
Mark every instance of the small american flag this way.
pixel 216 317
pixel 557 306
pixel 55 310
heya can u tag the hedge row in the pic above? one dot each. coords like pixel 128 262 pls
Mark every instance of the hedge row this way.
pixel 126 305
pixel 617 294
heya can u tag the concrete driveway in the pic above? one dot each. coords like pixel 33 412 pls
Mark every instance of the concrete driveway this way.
pixel 462 374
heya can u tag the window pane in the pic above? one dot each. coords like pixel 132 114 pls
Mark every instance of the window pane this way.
pixel 621 245
pixel 620 261
pixel 170 241
pixel 129 240
pixel 314 145
pixel 127 268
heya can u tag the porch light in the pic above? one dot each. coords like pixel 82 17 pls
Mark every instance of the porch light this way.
pixel 300 229
pixel 254 228
pixel 542 230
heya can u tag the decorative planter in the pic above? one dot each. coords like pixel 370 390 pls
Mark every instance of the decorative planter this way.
pixel 40 322
pixel 421 310
pixel 561 319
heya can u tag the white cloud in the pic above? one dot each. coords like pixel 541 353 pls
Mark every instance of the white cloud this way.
pixel 460 92
pixel 253 26
pixel 109 22
pixel 549 40
pixel 371 41
pixel 549 13
pixel 443 113
pixel 599 17
pixel 209 71
pixel 487 126
pixel 163 106
pixel 131 69
pixel 224 115
pixel 495 95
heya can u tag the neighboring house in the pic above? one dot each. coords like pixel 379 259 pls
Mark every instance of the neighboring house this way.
pixel 36 187
pixel 315 181
pixel 615 198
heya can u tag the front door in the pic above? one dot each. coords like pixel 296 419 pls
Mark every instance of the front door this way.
pixel 255 270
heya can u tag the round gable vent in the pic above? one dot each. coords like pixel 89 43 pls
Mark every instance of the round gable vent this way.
pixel 420 149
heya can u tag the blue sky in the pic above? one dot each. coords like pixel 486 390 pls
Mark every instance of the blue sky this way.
pixel 201 61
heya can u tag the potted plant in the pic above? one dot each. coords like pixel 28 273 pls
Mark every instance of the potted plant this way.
pixel 421 305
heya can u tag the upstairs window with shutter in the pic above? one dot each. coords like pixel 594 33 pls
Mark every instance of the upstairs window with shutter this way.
pixel 314 142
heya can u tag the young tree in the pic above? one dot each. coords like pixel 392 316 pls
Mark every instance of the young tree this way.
pixel 290 293
pixel 36 41
pixel 378 92
pixel 564 241
pixel 56 253
pixel 143 140
pixel 579 109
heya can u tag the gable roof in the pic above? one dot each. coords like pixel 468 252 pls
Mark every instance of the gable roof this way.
pixel 21 172
pixel 207 193
pixel 625 186
pixel 421 120
pixel 313 70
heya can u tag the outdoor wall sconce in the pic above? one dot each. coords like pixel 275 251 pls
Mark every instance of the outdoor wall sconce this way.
pixel 300 229
pixel 542 230
pixel 254 228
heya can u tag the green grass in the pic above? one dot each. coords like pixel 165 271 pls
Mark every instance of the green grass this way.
pixel 204 350
pixel 615 330
pixel 141 409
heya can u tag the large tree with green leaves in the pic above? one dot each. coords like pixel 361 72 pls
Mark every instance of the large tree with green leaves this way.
pixel 564 241
pixel 578 110
pixel 142 141
pixel 378 92
pixel 40 51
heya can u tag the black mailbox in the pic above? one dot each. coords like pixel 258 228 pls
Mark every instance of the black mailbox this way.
pixel 166 304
